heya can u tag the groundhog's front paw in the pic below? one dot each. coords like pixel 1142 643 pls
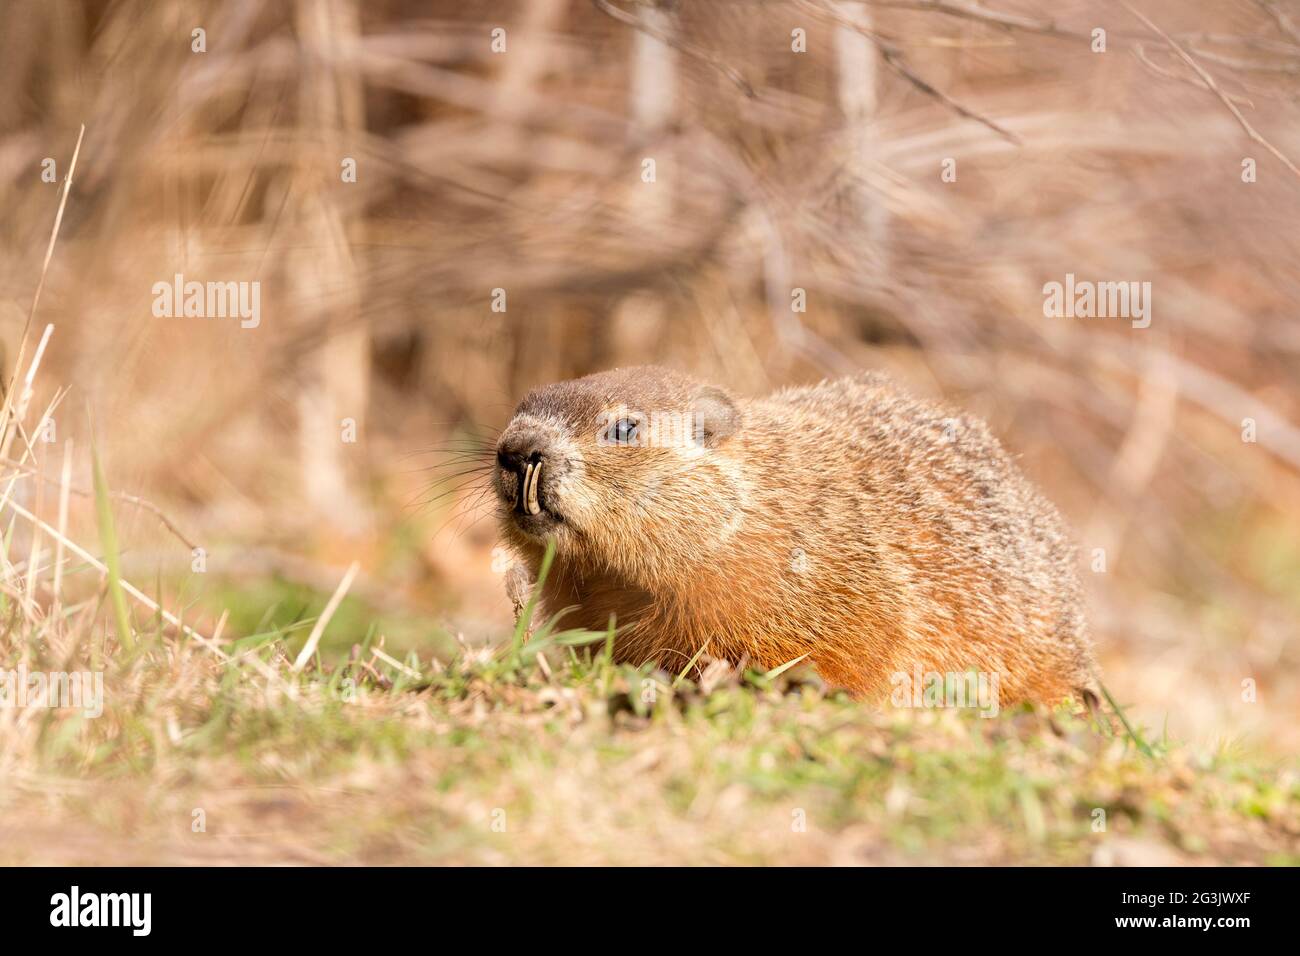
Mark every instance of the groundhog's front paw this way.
pixel 519 586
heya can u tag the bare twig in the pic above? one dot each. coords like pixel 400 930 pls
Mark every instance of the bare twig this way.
pixel 897 62
pixel 996 18
pixel 117 495
pixel 1213 87
pixel 1010 22
pixel 1140 51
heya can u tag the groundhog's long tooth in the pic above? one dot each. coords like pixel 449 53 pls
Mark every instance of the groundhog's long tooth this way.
pixel 521 488
pixel 532 505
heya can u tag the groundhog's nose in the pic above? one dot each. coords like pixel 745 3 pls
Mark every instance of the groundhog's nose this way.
pixel 521 455
pixel 517 461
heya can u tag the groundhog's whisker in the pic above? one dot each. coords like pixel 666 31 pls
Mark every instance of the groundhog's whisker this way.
pixel 468 465
pixel 469 474
pixel 436 493
pixel 483 445
pixel 472 510
pixel 435 498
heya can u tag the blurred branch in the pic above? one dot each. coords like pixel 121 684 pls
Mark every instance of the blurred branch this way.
pixel 1213 87
pixel 1136 461
pixel 1229 402
pixel 897 62
pixel 1140 51
pixel 730 72
pixel 1284 22
pixel 138 502
pixel 1012 22
pixel 1250 66
pixel 894 58
pixel 980 15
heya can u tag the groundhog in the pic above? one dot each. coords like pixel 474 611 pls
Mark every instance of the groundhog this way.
pixel 870 533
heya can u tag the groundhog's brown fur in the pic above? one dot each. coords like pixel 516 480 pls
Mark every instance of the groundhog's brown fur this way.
pixel 846 521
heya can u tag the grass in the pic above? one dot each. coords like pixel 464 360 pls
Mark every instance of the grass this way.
pixel 544 751
pixel 108 539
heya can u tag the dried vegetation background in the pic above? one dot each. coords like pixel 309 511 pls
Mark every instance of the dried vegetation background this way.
pixel 775 170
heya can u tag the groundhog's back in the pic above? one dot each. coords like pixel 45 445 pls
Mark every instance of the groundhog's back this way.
pixel 913 541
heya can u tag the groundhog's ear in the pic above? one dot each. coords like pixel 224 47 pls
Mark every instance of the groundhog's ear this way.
pixel 716 416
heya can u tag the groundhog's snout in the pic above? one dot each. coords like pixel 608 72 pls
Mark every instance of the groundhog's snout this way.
pixel 528 465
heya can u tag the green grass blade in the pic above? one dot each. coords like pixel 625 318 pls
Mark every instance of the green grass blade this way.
pixel 526 616
pixel 778 671
pixel 1136 737
pixel 689 664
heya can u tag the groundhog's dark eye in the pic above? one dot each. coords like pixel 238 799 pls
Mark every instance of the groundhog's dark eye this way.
pixel 623 432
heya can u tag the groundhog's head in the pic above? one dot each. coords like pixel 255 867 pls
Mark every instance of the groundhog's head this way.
pixel 630 470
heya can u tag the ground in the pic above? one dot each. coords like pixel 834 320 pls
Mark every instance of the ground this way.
pixel 546 753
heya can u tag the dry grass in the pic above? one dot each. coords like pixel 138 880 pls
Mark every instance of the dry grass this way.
pixel 503 759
